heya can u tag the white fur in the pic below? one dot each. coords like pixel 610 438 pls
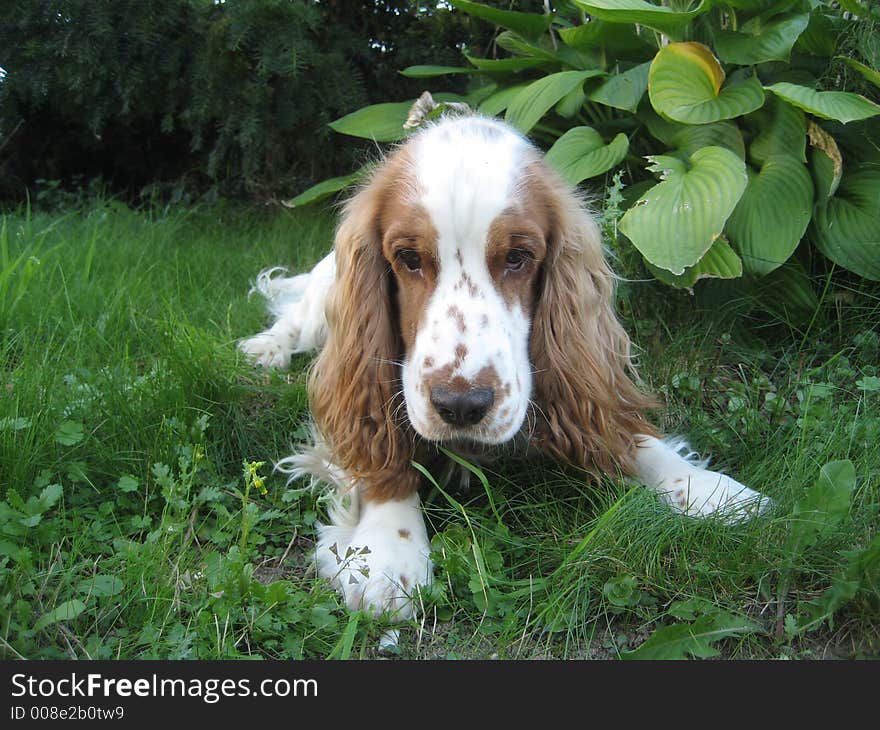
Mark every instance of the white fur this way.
pixel 377 554
pixel 685 483
pixel 297 303
pixel 467 170
pixel 378 557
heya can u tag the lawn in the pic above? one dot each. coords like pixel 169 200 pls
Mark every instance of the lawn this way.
pixel 131 431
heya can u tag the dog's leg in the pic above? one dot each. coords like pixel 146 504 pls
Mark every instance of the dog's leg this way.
pixel 376 554
pixel 673 471
pixel 378 562
pixel 297 304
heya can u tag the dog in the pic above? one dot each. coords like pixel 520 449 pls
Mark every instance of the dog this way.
pixel 467 304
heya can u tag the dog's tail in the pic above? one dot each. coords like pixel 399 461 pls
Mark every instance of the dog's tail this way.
pixel 279 290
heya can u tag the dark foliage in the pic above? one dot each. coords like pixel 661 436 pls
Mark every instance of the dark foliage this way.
pixel 195 96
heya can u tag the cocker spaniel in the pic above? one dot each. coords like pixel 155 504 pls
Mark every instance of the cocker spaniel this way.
pixel 467 303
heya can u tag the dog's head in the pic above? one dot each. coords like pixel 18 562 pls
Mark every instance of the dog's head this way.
pixel 472 303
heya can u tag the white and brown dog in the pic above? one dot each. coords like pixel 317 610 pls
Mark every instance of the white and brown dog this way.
pixel 467 303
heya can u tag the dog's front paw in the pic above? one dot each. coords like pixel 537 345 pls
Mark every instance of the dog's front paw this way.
pixel 700 493
pixel 379 571
pixel 268 349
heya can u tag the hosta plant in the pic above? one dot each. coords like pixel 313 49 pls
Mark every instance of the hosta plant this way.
pixel 748 128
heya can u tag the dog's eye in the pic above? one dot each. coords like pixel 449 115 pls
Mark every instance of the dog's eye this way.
pixel 517 258
pixel 409 258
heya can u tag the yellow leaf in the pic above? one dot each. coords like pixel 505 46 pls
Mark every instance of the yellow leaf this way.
pixel 703 57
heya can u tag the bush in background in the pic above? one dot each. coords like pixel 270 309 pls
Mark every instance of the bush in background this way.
pixel 186 96
pixel 746 146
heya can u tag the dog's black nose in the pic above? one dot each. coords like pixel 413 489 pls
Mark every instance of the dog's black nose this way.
pixel 462 409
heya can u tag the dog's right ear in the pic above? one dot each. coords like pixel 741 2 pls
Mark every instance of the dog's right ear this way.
pixel 354 387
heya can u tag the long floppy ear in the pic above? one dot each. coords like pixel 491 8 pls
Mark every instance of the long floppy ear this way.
pixel 588 407
pixel 354 386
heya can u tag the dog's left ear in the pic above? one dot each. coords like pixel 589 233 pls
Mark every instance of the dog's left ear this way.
pixel 588 409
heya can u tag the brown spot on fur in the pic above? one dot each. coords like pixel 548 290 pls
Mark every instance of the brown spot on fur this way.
pixel 459 257
pixel 472 288
pixel 678 481
pixel 461 352
pixel 487 377
pixel 506 389
pixel 428 363
pixel 458 316
pixel 680 497
pixel 404 534
pixel 404 581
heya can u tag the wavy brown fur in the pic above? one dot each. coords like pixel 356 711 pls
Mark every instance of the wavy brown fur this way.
pixel 588 409
pixel 354 388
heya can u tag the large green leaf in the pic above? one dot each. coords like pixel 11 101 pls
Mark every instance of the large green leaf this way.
pixel 772 215
pixel 859 573
pixel 382 122
pixel 690 138
pixel 503 65
pixel 530 25
pixel 581 153
pixel 659 17
pixel 678 220
pixel 69 433
pixel 497 102
pixel 821 35
pixel 843 106
pixel 599 34
pixel 677 641
pixel 539 97
pixel 623 90
pixel 787 293
pixel 719 262
pixel 686 84
pixel 756 6
pixel 66 611
pixel 519 46
pixel 847 227
pixel 757 41
pixel 324 189
pixel 780 129
pixel 869 73
pixel 379 122
pixel 570 104
pixel 478 94
pixel 823 506
pixel 100 585
pixel 428 72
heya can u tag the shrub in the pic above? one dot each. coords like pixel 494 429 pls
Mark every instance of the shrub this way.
pixel 184 96
pixel 737 121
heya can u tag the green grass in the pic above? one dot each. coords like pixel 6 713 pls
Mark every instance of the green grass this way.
pixel 129 529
